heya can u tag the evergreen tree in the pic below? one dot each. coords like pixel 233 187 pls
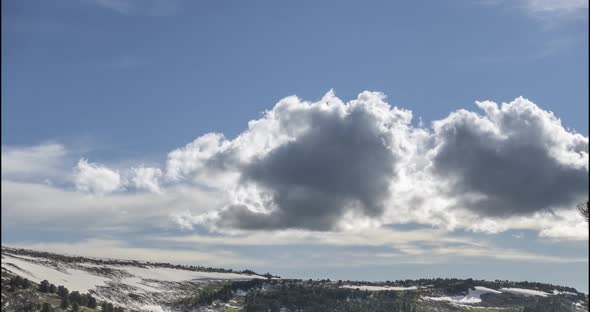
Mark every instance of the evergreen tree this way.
pixel 46 307
pixel 91 301
pixel 62 291
pixel 75 296
pixel 44 286
pixel 83 300
pixel 13 283
pixel 65 302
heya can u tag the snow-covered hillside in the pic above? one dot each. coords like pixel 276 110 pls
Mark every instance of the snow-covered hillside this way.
pixel 139 285
pixel 159 287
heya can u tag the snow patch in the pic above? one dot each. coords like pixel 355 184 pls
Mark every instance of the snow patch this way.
pixel 378 288
pixel 473 296
pixel 72 279
pixel 557 292
pixel 81 276
pixel 525 292
pixel 151 308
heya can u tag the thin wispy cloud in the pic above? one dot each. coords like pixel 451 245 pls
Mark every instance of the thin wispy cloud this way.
pixel 551 13
pixel 557 6
pixel 138 7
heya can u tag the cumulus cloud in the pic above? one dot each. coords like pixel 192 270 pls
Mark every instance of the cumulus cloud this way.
pixel 342 159
pixel 96 179
pixel 517 159
pixel 322 165
pixel 328 165
pixel 147 178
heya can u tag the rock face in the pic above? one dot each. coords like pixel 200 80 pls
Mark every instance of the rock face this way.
pixel 145 286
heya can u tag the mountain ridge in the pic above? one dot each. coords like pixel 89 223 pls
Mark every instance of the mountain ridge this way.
pixel 136 285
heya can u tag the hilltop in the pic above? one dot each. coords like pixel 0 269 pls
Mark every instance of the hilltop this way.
pixel 31 279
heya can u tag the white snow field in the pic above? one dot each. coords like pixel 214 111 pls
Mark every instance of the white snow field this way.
pixel 473 296
pixel 38 269
pixel 378 288
pixel 525 292
pixel 112 282
pixel 557 292
pixel 72 279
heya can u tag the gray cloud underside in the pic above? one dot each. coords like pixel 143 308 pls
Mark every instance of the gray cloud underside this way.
pixel 340 164
pixel 508 162
pixel 513 176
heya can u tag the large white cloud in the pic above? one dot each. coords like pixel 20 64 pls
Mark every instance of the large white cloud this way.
pixel 330 165
pixel 516 159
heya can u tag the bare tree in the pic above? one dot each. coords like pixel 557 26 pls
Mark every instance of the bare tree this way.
pixel 583 209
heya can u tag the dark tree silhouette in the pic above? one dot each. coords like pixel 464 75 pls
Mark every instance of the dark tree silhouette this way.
pixel 583 209
pixel 44 286
pixel 46 307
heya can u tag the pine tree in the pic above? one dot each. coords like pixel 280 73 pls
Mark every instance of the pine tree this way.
pixel 46 307
pixel 91 301
pixel 44 286
pixel 65 302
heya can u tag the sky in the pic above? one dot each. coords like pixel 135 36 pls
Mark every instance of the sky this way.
pixel 372 141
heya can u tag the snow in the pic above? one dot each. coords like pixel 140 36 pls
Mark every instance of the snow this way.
pixel 525 292
pixel 143 279
pixel 151 308
pixel 472 297
pixel 137 283
pixel 557 292
pixel 26 257
pixel 484 290
pixel 177 275
pixel 72 279
pixel 378 288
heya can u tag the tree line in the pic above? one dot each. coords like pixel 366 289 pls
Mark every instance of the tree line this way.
pixel 69 300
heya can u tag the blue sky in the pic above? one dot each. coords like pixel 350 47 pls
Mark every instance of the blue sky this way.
pixel 100 97
pixel 207 66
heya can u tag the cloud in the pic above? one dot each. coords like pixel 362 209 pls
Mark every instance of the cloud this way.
pixel 138 7
pixel 515 160
pixel 385 244
pixel 330 165
pixel 333 166
pixel 109 248
pixel 42 161
pixel 561 6
pixel 146 178
pixel 342 159
pixel 551 12
pixel 96 179
pixel 37 207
